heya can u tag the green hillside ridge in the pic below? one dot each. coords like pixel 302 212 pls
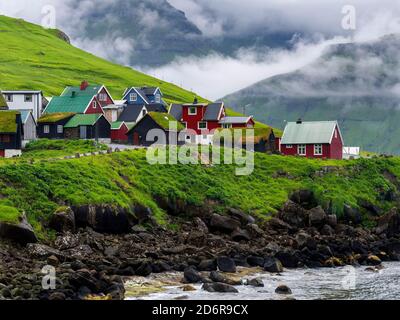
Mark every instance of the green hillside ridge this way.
pixel 32 57
pixel 126 178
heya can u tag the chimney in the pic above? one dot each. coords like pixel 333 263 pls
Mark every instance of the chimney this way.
pixel 299 121
pixel 84 85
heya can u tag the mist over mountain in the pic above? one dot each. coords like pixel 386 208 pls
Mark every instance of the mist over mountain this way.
pixel 355 83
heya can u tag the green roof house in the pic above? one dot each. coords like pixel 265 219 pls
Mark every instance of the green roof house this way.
pixel 88 126
pixel 51 125
pixel 93 90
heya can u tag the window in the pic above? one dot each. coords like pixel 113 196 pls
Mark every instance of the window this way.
pixel 185 124
pixel 9 97
pixel 94 104
pixel 202 125
pixel 158 98
pixel 192 111
pixel 28 98
pixel 103 97
pixel 318 149
pixel 133 97
pixel 289 146
pixel 301 149
pixel 46 129
pixel 205 137
pixel 227 125
pixel 60 129
pixel 335 133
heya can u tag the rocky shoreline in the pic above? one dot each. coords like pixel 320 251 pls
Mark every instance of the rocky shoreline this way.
pixel 93 264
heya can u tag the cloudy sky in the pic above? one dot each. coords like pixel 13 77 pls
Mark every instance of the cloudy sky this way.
pixel 216 75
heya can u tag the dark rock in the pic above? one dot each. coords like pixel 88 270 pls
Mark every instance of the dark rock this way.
pixel 226 264
pixel 143 214
pixel 66 241
pixel 327 230
pixel 254 261
pixel 254 230
pixel 288 259
pixel 331 220
pixel 244 218
pixel 371 208
pixel 351 215
pixel 240 235
pixel 41 251
pixel 200 225
pixel 192 276
pixel 305 198
pixel 317 217
pixel 21 232
pixel 282 289
pixel 222 223
pixel 53 261
pixel 57 296
pixel 373 260
pixel 278 224
pixel 63 221
pixel 256 282
pixel 216 276
pixel 208 265
pixel 293 214
pixel 144 269
pixel 160 267
pixel 219 287
pixel 116 291
pixel 273 265
pixel 389 223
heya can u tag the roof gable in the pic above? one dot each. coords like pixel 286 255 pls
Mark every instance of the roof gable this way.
pixel 76 104
pixel 131 113
pixel 90 90
pixel 176 111
pixel 213 111
pixel 309 132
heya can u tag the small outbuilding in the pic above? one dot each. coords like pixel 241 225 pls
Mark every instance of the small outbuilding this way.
pixel 119 132
pixel 28 126
pixel 88 126
pixel 51 125
pixel 10 134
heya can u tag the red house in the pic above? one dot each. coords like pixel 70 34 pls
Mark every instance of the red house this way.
pixel 318 139
pixel 202 119
pixel 119 132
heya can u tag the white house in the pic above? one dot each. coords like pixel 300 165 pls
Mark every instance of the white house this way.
pixel 26 100
pixel 351 153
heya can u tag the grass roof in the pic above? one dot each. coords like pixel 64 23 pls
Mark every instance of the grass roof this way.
pixel 165 120
pixel 8 123
pixel 54 117
pixel 261 133
pixel 3 102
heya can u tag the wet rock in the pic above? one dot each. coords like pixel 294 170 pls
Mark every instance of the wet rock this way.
pixel 373 260
pixel 254 231
pixel 327 230
pixel 53 261
pixel 255 261
pixel 351 215
pixel 222 223
pixel 240 235
pixel 21 232
pixel 293 214
pixel 278 224
pixel 160 267
pixel 288 259
pixel 283 289
pixel 57 296
pixel 239 215
pixel 188 288
pixel 207 265
pixel 144 269
pixel 143 214
pixel 331 220
pixel 219 287
pixel 192 276
pixel 389 223
pixel 256 282
pixel 273 265
pixel 63 220
pixel 226 264
pixel 218 277
pixel 200 225
pixel 317 217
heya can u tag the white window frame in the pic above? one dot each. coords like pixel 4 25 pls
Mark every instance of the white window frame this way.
pixel 9 97
pixel 227 125
pixel 46 129
pixel 192 113
pixel 30 97
pixel 103 97
pixel 319 146
pixel 133 97
pixel 158 98
pixel 300 147
pixel 95 104
pixel 198 125
pixel 289 146
pixel 60 129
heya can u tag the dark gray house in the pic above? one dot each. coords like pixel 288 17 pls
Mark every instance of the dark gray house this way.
pixel 51 125
pixel 88 126
pixel 10 133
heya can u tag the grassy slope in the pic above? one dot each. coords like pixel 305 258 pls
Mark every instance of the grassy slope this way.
pixel 32 57
pixel 125 178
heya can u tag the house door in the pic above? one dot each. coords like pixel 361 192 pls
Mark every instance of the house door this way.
pixel 82 132
pixel 136 138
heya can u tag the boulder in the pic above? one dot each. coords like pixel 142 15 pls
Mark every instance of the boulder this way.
pixel 21 232
pixel 293 214
pixel 305 198
pixel 192 276
pixel 144 269
pixel 63 220
pixel 371 208
pixel 278 224
pixel 207 265
pixel 219 287
pixel 200 225
pixel 288 259
pixel 218 277
pixel 331 220
pixel 143 214
pixel 239 215
pixel 66 241
pixel 256 282
pixel 389 223
pixel 255 261
pixel 283 289
pixel 302 238
pixel 224 224
pixel 373 260
pixel 351 215
pixel 254 230
pixel 327 230
pixel 273 265
pixel 240 235
pixel 226 264
pixel 317 217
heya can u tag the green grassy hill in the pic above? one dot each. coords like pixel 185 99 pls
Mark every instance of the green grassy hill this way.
pixel 35 58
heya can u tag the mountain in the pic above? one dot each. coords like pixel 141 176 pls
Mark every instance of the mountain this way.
pixel 356 83
pixel 35 58
pixel 152 33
